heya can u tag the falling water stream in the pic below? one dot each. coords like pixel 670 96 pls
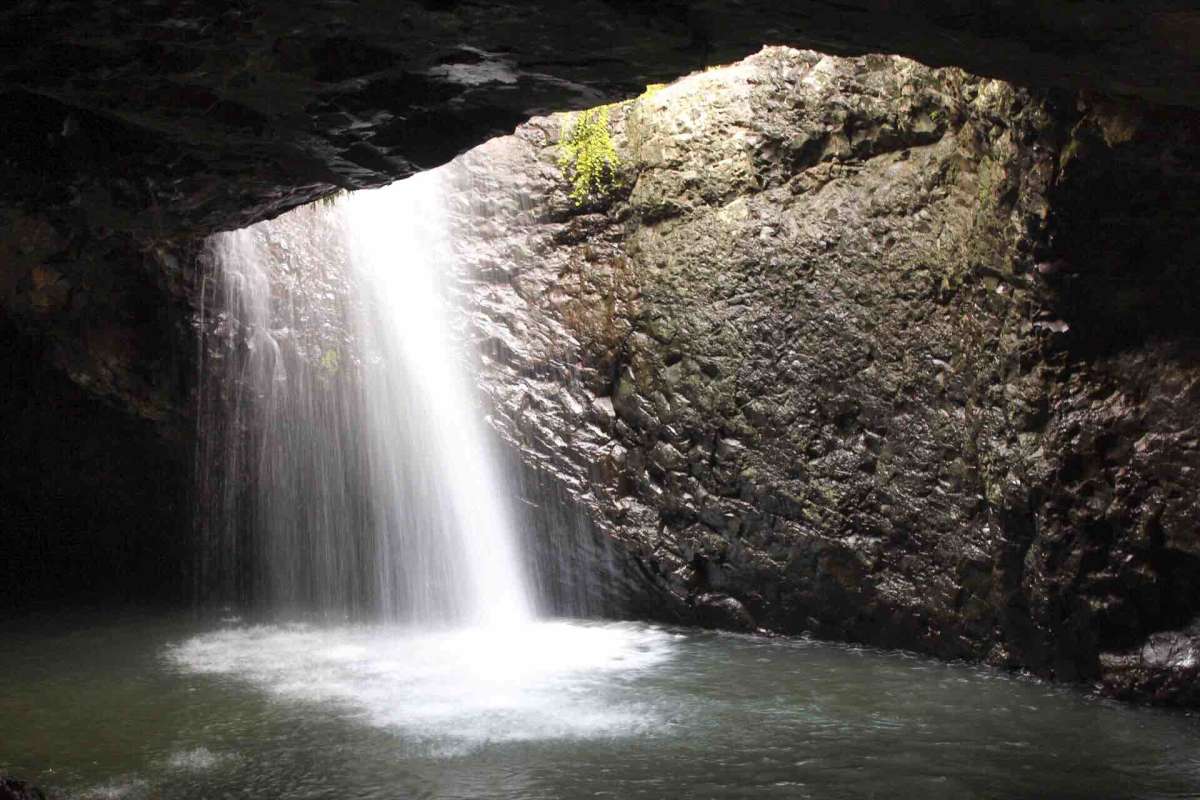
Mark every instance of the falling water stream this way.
pixel 395 643
pixel 447 545
pixel 373 484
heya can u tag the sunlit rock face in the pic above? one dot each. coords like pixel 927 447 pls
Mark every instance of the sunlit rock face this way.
pixel 130 128
pixel 840 356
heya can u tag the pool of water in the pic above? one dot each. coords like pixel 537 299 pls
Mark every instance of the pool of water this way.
pixel 167 708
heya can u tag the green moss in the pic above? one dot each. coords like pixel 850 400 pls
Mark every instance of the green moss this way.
pixel 1072 151
pixel 587 156
pixel 987 183
pixel 651 90
pixel 330 363
pixel 331 198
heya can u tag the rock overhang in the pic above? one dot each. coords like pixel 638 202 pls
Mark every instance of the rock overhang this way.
pixel 190 117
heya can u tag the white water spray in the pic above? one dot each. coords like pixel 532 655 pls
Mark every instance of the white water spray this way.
pixel 446 528
pixel 353 448
pixel 359 479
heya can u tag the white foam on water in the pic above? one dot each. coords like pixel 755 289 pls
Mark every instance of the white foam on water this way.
pixel 197 759
pixel 118 790
pixel 535 681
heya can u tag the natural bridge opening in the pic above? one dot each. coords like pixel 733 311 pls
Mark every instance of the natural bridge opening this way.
pixel 504 470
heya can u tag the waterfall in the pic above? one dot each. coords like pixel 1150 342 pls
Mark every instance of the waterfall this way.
pixel 345 466
pixel 447 530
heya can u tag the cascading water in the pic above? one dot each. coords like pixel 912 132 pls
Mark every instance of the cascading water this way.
pixel 447 548
pixel 345 469
pixel 365 481
pixel 281 466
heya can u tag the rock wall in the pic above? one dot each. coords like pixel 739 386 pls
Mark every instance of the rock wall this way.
pixel 93 500
pixel 862 348
pixel 97 368
pixel 882 352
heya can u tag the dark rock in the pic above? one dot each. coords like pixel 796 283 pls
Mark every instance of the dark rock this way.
pixel 12 789
pixel 164 119
pixel 845 397
pixel 92 498
pixel 1164 671
pixel 723 612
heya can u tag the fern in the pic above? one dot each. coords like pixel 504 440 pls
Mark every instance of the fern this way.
pixel 587 157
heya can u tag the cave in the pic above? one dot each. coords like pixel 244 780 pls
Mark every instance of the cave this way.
pixel 556 400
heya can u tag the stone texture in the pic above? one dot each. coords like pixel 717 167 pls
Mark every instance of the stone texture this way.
pixel 12 789
pixel 841 352
pixel 1165 670
pixel 131 128
pixel 230 113
pixel 160 119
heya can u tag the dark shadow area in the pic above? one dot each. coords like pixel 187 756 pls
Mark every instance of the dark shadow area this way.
pixel 93 501
pixel 1123 238
pixel 579 569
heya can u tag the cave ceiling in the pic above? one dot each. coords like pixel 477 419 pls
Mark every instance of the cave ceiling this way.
pixel 167 119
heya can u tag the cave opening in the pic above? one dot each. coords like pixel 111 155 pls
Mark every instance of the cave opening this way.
pixel 699 402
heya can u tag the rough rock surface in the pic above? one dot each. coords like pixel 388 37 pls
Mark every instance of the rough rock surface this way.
pixel 13 789
pixel 129 127
pixel 152 116
pixel 884 353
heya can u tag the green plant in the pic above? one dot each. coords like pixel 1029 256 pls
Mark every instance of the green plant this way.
pixel 329 200
pixel 651 90
pixel 330 363
pixel 587 157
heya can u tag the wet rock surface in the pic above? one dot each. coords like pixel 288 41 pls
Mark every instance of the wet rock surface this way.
pixel 839 357
pixel 13 789
pixel 157 117
pixel 1165 670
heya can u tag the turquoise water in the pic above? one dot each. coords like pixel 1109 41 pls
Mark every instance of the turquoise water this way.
pixel 143 707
